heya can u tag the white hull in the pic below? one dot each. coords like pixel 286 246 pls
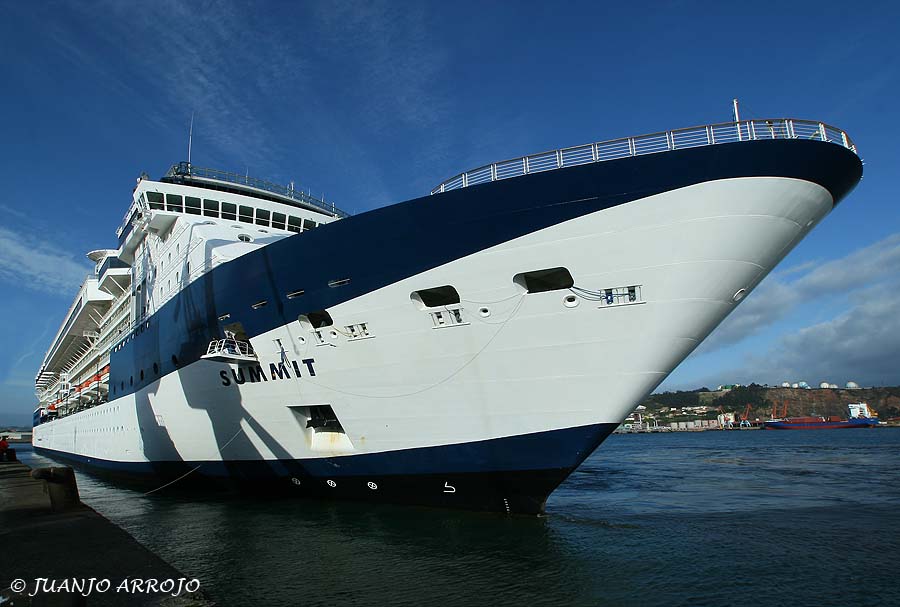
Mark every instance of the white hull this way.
pixel 533 365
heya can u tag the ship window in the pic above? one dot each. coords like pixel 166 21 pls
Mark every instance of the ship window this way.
pixel 229 211
pixel 245 238
pixel 436 296
pixel 262 217
pixel 173 203
pixel 278 220
pixel 308 225
pixel 245 214
pixel 192 205
pixel 295 224
pixel 156 200
pixel 539 281
pixel 211 208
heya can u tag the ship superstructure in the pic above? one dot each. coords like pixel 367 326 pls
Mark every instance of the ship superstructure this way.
pixel 175 230
pixel 465 349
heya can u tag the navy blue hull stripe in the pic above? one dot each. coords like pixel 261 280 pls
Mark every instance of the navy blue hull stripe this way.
pixel 512 475
pixel 383 246
pixel 552 450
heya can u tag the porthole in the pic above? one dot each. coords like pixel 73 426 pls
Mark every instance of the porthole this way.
pixel 484 312
pixel 739 295
pixel 245 238
pixel 302 340
pixel 570 301
pixel 333 334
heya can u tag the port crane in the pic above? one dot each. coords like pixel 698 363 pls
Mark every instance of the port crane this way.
pixel 745 418
pixel 783 410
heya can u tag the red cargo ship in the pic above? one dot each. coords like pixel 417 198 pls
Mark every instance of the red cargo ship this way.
pixel 859 417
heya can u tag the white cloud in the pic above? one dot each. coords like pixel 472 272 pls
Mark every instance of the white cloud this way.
pixel 862 344
pixel 780 293
pixel 35 265
pixel 341 76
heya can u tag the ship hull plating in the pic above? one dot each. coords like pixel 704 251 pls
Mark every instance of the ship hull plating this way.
pixel 487 404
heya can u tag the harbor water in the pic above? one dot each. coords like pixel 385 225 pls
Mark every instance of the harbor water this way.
pixel 709 518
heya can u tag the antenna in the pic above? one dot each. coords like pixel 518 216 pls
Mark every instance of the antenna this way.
pixel 737 116
pixel 190 138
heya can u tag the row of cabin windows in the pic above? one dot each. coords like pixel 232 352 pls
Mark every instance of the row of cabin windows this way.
pixel 131 379
pixel 228 210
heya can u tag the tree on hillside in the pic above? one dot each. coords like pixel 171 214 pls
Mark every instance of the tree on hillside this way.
pixel 738 398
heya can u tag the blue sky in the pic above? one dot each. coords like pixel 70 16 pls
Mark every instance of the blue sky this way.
pixel 374 103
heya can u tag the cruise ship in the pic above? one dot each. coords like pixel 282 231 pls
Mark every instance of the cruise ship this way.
pixel 465 349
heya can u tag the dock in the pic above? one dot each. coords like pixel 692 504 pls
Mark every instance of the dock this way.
pixel 53 553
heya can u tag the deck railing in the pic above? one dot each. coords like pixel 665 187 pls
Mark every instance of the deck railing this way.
pixel 665 141
pixel 184 169
pixel 230 347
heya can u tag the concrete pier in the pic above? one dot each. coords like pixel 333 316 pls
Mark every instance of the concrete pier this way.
pixel 68 546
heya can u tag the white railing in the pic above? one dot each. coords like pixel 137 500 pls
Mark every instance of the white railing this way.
pixel 230 348
pixel 666 141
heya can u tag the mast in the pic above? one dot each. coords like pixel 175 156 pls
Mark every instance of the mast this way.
pixel 190 138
